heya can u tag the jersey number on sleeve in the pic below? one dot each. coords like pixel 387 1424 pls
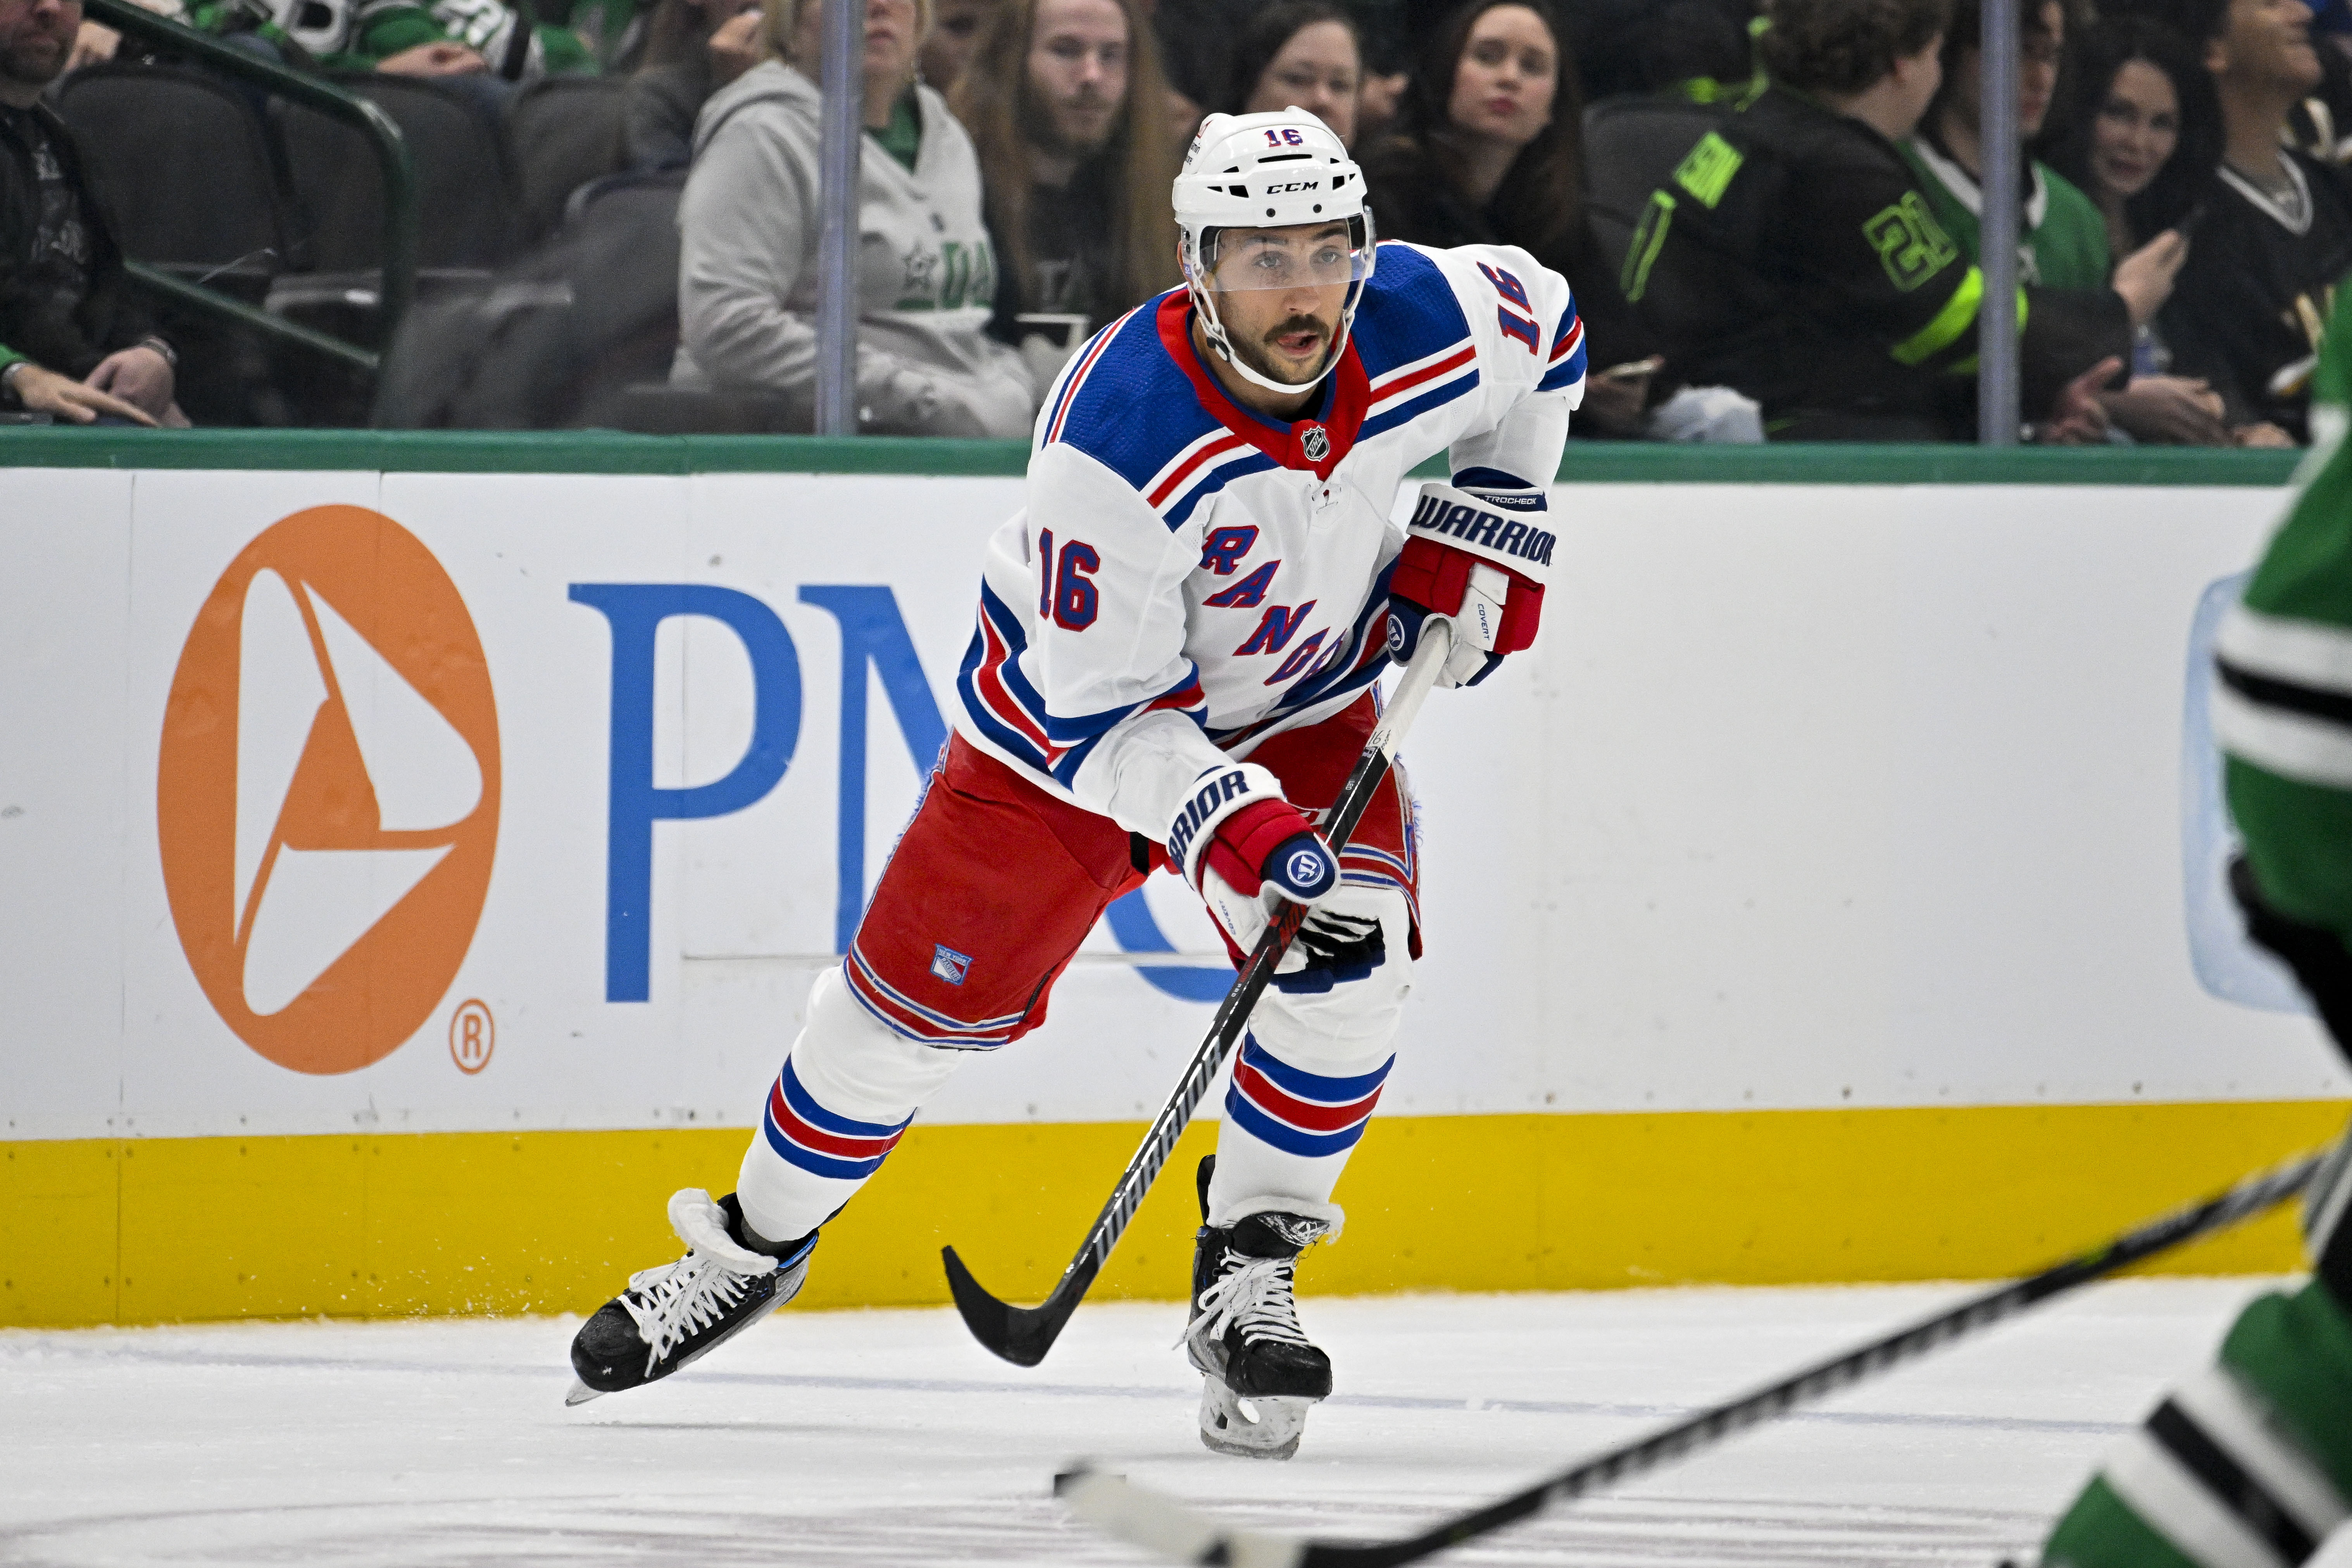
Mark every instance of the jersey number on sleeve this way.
pixel 1520 327
pixel 1063 591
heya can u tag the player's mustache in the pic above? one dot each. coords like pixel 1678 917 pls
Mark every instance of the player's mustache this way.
pixel 1298 324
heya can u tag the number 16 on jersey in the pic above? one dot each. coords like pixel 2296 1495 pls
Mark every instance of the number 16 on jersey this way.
pixel 1063 592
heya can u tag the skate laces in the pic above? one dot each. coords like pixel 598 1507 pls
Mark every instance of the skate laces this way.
pixel 1253 1294
pixel 679 1301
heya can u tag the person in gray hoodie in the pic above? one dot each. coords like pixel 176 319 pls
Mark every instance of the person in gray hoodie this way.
pixel 925 275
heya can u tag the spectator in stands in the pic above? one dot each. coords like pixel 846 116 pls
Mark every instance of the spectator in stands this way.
pixel 74 342
pixel 748 224
pixel 2275 233
pixel 1490 154
pixel 1196 42
pixel 2062 237
pixel 1302 54
pixel 693 47
pixel 1636 47
pixel 955 37
pixel 1787 251
pixel 1059 100
pixel 435 39
pixel 2139 134
pixel 1377 103
pixel 2061 241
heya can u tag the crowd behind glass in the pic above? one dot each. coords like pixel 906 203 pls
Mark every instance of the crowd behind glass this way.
pixel 2184 215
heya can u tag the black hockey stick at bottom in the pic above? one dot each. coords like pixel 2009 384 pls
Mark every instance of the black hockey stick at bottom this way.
pixel 1022 1335
pixel 1182 1534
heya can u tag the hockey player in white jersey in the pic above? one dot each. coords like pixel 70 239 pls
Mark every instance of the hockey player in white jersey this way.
pixel 1173 667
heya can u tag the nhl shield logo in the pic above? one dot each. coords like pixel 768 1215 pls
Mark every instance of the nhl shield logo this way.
pixel 1315 443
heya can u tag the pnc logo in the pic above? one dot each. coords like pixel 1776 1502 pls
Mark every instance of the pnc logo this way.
pixel 327 792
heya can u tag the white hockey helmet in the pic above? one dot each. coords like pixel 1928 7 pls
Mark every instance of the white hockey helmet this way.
pixel 1276 170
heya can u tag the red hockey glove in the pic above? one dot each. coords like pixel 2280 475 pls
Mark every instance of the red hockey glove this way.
pixel 1244 847
pixel 1478 557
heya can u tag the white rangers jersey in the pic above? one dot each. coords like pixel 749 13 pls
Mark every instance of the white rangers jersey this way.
pixel 1190 576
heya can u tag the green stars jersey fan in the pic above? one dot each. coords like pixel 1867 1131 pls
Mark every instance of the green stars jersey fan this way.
pixel 2249 1463
pixel 1777 247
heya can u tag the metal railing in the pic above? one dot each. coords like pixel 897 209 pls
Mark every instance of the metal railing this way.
pixel 2002 159
pixel 391 150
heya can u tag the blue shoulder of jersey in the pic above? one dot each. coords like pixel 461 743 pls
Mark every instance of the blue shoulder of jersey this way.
pixel 1415 341
pixel 1125 403
pixel 1408 312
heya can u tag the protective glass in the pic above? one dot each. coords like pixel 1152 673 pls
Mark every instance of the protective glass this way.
pixel 1294 257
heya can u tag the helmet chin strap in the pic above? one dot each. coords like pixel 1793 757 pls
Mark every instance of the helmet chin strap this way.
pixel 1213 330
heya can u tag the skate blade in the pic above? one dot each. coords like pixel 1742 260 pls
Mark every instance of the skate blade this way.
pixel 1226 1428
pixel 581 1393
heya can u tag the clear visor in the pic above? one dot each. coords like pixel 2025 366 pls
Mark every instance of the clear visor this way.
pixel 1299 257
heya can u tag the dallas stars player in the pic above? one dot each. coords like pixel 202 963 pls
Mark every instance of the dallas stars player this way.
pixel 2249 1464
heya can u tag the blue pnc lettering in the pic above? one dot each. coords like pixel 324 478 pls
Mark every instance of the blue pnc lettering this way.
pixel 1132 923
pixel 635 612
pixel 873 633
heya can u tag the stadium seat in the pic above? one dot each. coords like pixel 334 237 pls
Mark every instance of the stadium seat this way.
pixel 465 205
pixel 565 131
pixel 185 170
pixel 553 340
pixel 1631 147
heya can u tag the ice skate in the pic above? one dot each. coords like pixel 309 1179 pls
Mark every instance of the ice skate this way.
pixel 672 1315
pixel 1259 1372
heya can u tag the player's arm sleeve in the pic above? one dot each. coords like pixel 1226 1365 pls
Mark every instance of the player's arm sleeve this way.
pixel 1531 364
pixel 1122 701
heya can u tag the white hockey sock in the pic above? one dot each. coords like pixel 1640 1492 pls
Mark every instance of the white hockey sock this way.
pixel 1308 1077
pixel 1287 1133
pixel 845 1094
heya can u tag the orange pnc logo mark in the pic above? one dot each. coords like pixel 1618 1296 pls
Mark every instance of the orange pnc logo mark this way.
pixel 327 793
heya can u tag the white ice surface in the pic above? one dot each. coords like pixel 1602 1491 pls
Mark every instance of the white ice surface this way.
pixel 889 1437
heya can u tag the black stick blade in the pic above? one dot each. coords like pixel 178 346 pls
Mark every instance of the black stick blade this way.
pixel 1021 1335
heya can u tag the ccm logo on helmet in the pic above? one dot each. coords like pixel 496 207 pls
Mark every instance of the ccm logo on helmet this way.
pixel 1294 185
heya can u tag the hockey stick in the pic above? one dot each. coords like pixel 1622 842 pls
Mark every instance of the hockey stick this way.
pixel 1022 1335
pixel 1181 1534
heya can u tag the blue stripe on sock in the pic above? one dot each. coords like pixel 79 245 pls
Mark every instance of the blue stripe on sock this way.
pixel 1289 1139
pixel 806 1108
pixel 1313 1085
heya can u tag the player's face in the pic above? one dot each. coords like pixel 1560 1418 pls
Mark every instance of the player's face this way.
pixel 2137 129
pixel 1279 293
